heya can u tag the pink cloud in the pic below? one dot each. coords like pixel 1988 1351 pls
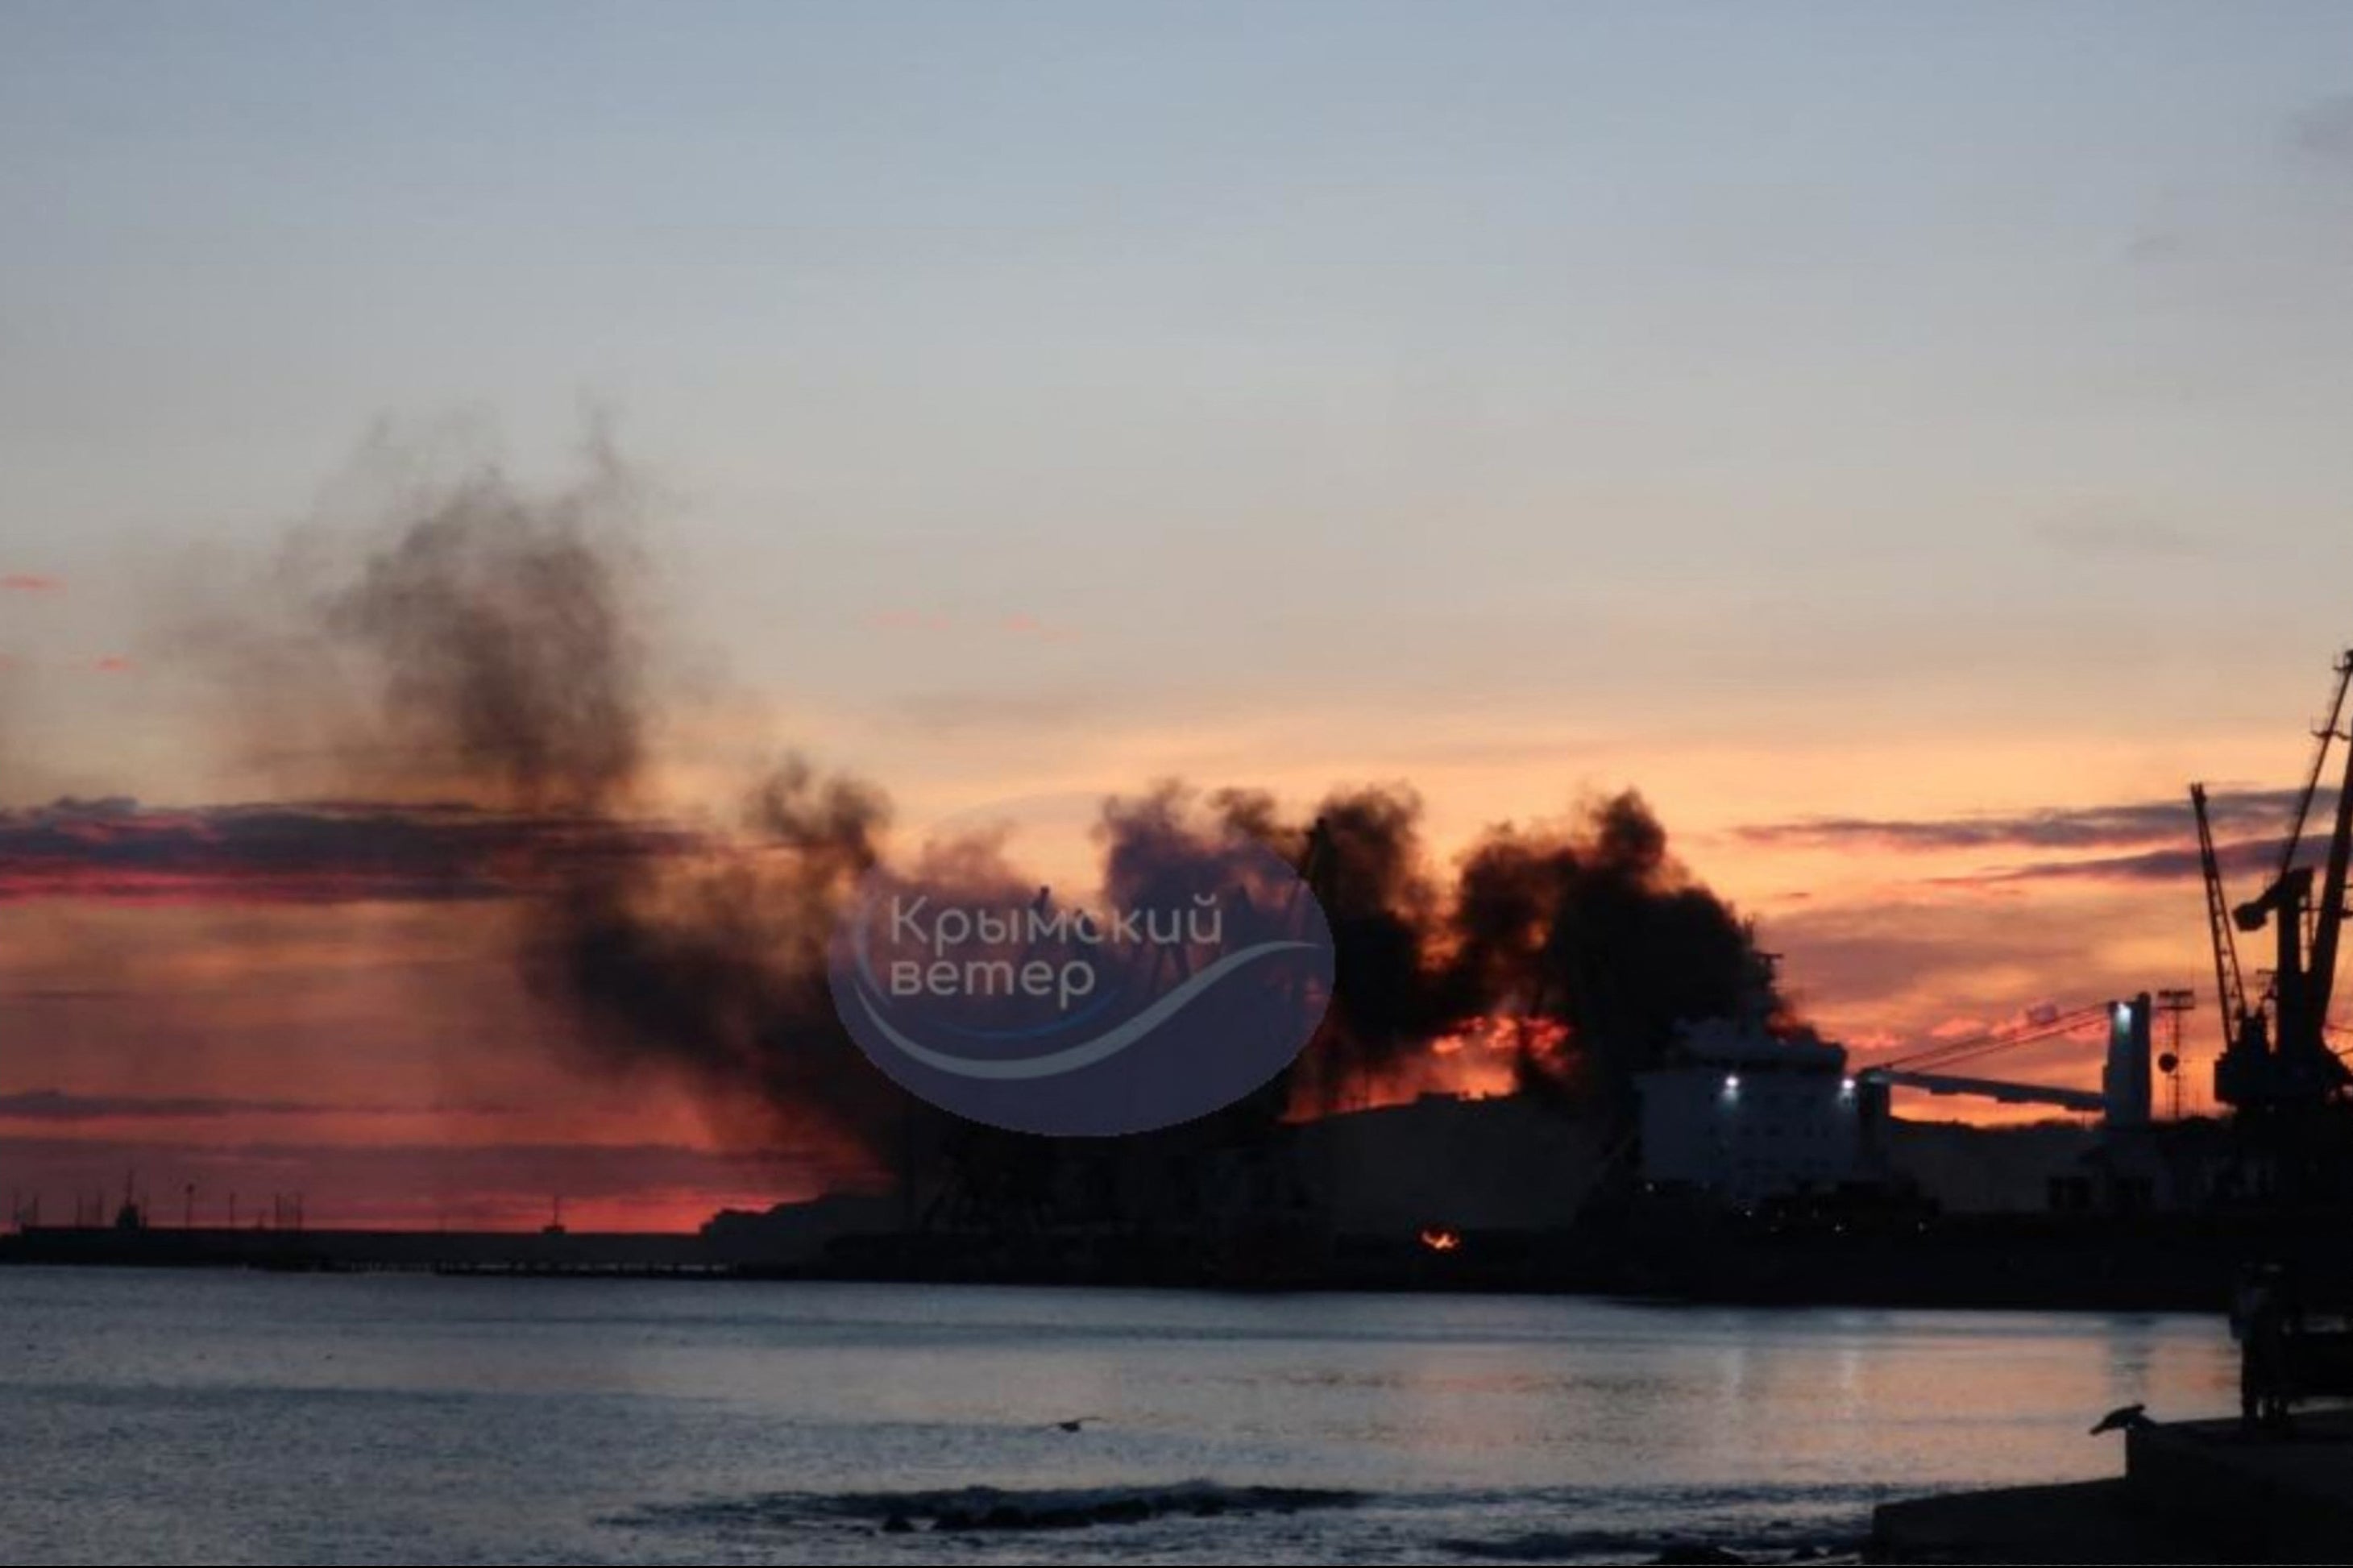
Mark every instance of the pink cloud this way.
pixel 113 663
pixel 321 853
pixel 31 583
pixel 1027 626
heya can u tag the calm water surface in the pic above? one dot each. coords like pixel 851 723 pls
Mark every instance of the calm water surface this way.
pixel 251 1419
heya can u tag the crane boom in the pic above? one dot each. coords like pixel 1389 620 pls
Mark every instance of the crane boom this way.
pixel 2325 734
pixel 2328 918
pixel 2229 992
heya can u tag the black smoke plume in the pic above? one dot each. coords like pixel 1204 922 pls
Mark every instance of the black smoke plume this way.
pixel 715 968
pixel 1588 932
pixel 1597 927
pixel 491 648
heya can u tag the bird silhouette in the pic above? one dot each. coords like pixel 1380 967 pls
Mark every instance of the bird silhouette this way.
pixel 2124 1418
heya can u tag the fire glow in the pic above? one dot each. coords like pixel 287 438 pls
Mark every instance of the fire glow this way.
pixel 1484 1058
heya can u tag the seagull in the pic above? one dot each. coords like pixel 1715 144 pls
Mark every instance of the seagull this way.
pixel 2124 1418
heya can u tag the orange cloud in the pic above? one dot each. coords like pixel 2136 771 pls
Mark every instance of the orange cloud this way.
pixel 31 583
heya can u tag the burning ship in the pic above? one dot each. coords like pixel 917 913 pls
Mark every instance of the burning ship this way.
pixel 1579 1073
pixel 1523 1067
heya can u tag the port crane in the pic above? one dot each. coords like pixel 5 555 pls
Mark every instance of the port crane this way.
pixel 2276 1063
pixel 2230 990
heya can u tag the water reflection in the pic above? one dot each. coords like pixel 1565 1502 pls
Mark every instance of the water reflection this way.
pixel 522 1419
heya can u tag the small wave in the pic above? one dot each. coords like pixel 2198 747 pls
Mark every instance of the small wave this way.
pixel 1626 1546
pixel 964 1509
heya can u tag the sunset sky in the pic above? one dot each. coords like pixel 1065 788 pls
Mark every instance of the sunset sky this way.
pixel 1908 447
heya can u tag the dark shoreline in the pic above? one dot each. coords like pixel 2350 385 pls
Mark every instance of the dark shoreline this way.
pixel 2027 1263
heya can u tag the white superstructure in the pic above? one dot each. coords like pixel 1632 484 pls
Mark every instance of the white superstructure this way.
pixel 1747 1116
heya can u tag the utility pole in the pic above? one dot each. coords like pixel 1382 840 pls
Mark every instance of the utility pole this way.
pixel 2174 1003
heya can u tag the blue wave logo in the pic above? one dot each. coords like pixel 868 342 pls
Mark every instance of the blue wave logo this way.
pixel 1193 978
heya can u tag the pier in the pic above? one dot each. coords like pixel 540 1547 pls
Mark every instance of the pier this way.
pixel 2192 1492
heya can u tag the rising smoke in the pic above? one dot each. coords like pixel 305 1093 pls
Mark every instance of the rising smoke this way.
pixel 1586 934
pixel 488 647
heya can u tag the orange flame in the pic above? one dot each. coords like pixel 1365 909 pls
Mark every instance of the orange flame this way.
pixel 1478 1060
